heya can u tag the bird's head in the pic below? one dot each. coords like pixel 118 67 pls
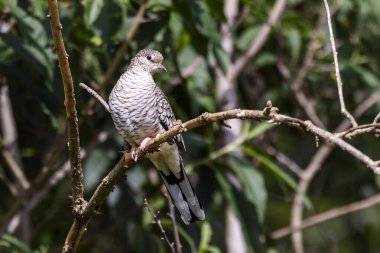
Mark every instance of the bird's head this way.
pixel 148 59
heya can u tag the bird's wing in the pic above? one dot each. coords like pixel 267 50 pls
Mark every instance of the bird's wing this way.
pixel 166 116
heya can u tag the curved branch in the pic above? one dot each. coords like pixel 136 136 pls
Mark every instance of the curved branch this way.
pixel 328 215
pixel 95 95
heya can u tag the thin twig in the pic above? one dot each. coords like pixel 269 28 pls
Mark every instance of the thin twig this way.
pixel 328 215
pixel 171 214
pixel 337 72
pixel 158 222
pixel 361 129
pixel 377 118
pixel 95 95
pixel 329 137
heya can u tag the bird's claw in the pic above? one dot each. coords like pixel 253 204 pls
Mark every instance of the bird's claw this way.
pixel 143 143
pixel 134 155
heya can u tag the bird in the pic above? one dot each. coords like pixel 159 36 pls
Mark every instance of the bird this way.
pixel 140 111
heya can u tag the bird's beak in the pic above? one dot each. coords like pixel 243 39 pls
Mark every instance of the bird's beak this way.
pixel 160 66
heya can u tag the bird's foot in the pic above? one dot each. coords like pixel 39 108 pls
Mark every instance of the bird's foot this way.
pixel 148 150
pixel 143 143
pixel 143 148
pixel 134 155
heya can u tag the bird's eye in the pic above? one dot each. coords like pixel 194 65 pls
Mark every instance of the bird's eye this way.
pixel 149 57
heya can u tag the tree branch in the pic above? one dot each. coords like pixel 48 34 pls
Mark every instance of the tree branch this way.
pixel 71 112
pixel 162 230
pixel 337 72
pixel 361 129
pixel 96 96
pixel 328 215
pixel 171 214
pixel 377 118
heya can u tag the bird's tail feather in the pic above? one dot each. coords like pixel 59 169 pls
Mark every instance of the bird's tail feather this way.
pixel 183 196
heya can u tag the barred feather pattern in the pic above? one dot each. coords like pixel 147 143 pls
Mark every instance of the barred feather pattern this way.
pixel 140 110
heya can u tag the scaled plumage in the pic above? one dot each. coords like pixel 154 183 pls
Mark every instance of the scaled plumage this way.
pixel 140 110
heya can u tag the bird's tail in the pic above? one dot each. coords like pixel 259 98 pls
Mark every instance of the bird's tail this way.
pixel 183 196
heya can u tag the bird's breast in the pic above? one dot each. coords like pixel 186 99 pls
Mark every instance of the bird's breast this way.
pixel 134 111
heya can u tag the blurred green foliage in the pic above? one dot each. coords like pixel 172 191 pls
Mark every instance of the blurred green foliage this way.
pixel 185 31
pixel 9 244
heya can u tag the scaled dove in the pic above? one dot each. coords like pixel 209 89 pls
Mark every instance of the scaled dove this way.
pixel 140 111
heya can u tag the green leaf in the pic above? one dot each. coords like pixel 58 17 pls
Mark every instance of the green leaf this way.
pixel 34 55
pixel 206 235
pixel 277 171
pixel 159 244
pixel 247 133
pixel 206 20
pixel 15 243
pixel 251 236
pixel 368 77
pixel 92 9
pixel 248 35
pixel 252 182
pixel 52 117
pixel 265 59
pixel 6 53
pixel 294 41
pixel 32 44
pixel 29 26
pixel 221 56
